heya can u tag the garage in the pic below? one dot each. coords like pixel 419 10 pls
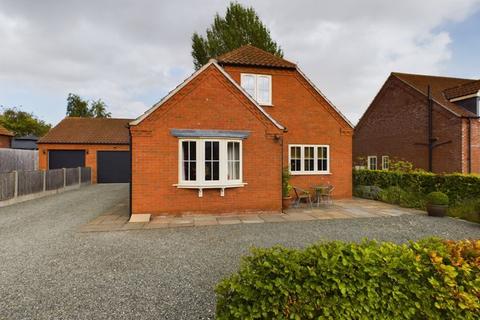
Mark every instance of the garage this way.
pixel 113 166
pixel 58 159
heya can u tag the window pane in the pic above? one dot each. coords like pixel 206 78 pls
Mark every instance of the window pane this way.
pixel 263 95
pixel 248 83
pixel 189 165
pixel 295 159
pixel 233 160
pixel 309 159
pixel 322 159
pixel 212 165
pixel 185 149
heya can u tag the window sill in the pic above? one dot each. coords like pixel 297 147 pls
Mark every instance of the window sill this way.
pixel 314 173
pixel 200 187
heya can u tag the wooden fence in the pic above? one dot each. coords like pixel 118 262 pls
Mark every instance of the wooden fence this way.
pixel 18 160
pixel 21 183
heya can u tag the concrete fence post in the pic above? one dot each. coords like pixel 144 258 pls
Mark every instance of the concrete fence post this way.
pixel 44 180
pixel 15 192
pixel 79 175
pixel 64 177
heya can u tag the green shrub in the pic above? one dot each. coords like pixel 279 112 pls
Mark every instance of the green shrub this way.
pixel 396 195
pixel 437 198
pixel 367 192
pixel 468 209
pixel 430 279
pixel 456 186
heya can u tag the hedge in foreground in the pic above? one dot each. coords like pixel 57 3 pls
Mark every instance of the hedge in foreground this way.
pixel 430 279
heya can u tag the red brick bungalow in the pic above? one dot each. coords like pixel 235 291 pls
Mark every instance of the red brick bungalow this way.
pixel 5 138
pixel 218 142
pixel 439 134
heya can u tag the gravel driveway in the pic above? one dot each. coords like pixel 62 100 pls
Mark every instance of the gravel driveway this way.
pixel 48 270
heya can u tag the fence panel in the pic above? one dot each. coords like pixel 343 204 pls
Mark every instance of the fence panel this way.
pixel 18 160
pixel 54 179
pixel 71 176
pixel 30 182
pixel 7 185
pixel 86 174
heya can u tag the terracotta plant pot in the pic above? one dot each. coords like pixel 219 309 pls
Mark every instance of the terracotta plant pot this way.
pixel 286 202
pixel 436 210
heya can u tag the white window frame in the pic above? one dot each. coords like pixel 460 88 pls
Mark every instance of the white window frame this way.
pixel 385 162
pixel 200 182
pixel 368 162
pixel 315 161
pixel 255 95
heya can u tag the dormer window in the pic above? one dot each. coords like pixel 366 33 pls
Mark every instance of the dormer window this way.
pixel 259 86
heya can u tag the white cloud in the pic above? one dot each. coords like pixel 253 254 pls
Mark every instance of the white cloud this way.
pixel 131 53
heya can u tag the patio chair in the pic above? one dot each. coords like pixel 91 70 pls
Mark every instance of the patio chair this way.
pixel 326 195
pixel 302 194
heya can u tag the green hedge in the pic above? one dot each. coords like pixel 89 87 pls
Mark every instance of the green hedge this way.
pixel 430 279
pixel 457 186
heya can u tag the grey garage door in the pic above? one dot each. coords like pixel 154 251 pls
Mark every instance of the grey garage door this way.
pixel 113 166
pixel 66 159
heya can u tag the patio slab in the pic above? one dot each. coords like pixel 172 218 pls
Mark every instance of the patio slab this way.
pixel 117 218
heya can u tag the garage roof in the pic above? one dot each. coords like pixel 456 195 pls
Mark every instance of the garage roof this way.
pixel 75 130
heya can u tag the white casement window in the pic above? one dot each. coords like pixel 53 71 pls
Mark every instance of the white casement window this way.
pixel 210 163
pixel 258 86
pixel 385 162
pixel 372 162
pixel 309 159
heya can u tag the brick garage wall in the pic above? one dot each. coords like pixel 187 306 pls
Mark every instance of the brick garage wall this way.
pixel 209 101
pixel 397 121
pixel 309 120
pixel 90 157
pixel 5 141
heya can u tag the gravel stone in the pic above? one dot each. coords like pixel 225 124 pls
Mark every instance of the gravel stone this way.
pixel 49 270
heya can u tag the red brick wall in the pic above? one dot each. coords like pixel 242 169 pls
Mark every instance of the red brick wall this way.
pixel 90 157
pixel 397 121
pixel 309 120
pixel 5 141
pixel 207 102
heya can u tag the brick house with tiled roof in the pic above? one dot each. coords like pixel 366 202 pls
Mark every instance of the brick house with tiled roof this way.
pixel 102 144
pixel 5 137
pixel 437 131
pixel 218 142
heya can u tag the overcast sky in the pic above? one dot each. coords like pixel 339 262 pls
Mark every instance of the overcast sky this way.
pixel 131 53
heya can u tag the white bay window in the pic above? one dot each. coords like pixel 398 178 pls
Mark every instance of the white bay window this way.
pixel 210 163
pixel 309 159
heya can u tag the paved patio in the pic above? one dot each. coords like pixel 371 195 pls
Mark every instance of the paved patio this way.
pixel 116 219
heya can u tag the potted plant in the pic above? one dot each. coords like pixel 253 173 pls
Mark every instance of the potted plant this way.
pixel 286 188
pixel 437 204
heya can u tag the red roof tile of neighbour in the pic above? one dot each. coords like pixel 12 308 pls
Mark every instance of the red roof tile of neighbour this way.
pixel 249 55
pixel 5 132
pixel 89 131
pixel 438 86
pixel 462 90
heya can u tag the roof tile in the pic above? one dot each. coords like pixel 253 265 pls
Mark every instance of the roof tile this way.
pixel 249 55
pixel 462 90
pixel 5 132
pixel 437 86
pixel 89 131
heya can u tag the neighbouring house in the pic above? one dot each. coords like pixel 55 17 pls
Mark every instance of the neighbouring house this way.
pixel 102 144
pixel 218 142
pixel 437 131
pixel 5 137
pixel 28 142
